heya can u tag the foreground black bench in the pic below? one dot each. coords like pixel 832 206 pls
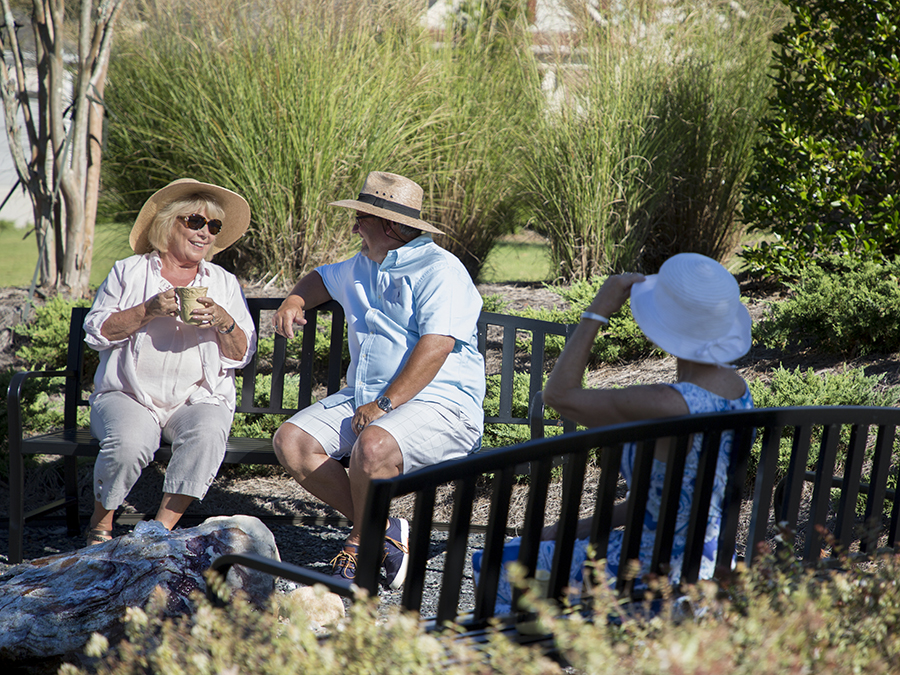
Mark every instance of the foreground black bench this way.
pixel 865 453
pixel 497 334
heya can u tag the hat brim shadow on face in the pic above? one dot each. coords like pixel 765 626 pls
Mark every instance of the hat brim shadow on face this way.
pixel 234 223
pixel 730 345
pixel 387 214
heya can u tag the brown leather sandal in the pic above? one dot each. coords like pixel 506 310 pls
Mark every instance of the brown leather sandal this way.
pixel 96 536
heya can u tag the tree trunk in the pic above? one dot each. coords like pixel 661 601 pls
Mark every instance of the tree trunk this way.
pixel 82 196
pixel 62 170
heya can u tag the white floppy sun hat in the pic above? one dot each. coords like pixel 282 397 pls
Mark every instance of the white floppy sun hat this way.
pixel 692 309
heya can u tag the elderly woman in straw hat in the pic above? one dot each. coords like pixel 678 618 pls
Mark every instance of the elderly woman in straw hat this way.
pixel 691 309
pixel 165 373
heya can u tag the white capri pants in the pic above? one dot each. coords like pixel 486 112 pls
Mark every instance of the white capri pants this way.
pixel 129 436
pixel 426 432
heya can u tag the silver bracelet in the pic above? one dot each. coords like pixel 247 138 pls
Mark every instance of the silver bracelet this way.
pixel 594 317
pixel 230 328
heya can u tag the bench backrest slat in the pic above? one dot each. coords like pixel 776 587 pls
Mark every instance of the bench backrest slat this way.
pixel 573 486
pixel 881 462
pixel 734 492
pixel 455 558
pixel 419 552
pixel 535 508
pixel 855 456
pixel 894 529
pixel 636 508
pixel 669 503
pixel 501 497
pixel 796 473
pixel 700 506
pixel 821 498
pixel 75 363
pixel 764 488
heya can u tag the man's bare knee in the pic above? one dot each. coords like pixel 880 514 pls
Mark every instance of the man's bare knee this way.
pixel 293 447
pixel 377 454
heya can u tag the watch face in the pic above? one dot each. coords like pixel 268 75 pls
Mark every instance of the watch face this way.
pixel 384 403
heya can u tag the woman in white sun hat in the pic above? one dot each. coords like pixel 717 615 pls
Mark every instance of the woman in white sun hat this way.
pixel 164 373
pixel 692 309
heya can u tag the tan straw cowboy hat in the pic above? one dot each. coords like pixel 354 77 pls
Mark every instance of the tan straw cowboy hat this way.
pixel 692 309
pixel 234 222
pixel 392 197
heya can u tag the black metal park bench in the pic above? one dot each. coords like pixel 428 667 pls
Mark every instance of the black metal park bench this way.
pixel 498 334
pixel 862 517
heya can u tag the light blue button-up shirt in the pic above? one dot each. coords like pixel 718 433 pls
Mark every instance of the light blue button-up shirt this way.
pixel 419 289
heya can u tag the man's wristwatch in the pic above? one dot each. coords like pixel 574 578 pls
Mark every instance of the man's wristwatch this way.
pixel 384 403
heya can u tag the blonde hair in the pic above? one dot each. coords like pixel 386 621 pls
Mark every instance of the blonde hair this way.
pixel 160 231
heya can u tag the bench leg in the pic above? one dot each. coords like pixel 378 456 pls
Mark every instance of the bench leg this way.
pixel 16 503
pixel 71 482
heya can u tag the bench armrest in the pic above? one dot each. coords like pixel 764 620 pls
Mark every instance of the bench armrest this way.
pixel 536 415
pixel 277 568
pixel 14 401
pixel 537 421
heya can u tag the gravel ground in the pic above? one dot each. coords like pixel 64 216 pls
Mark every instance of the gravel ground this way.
pixel 308 545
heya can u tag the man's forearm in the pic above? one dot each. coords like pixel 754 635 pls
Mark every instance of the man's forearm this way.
pixel 424 363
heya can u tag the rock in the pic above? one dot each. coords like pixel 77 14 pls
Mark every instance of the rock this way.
pixel 51 606
pixel 321 607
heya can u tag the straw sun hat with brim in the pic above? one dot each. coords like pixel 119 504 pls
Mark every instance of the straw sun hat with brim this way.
pixel 692 309
pixel 392 197
pixel 234 222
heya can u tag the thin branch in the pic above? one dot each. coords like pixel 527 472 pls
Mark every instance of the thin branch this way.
pixel 15 97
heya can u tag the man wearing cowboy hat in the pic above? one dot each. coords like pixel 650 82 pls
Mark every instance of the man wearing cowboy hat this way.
pixel 415 384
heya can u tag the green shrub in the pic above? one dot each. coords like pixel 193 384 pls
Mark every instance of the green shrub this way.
pixel 493 303
pixel 826 176
pixel 48 334
pixel 806 388
pixel 620 341
pixel 839 306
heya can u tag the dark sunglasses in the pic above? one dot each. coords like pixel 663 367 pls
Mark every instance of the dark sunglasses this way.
pixel 196 222
pixel 359 219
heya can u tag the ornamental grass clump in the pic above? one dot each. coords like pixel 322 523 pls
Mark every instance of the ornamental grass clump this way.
pixel 289 104
pixel 292 104
pixel 648 135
